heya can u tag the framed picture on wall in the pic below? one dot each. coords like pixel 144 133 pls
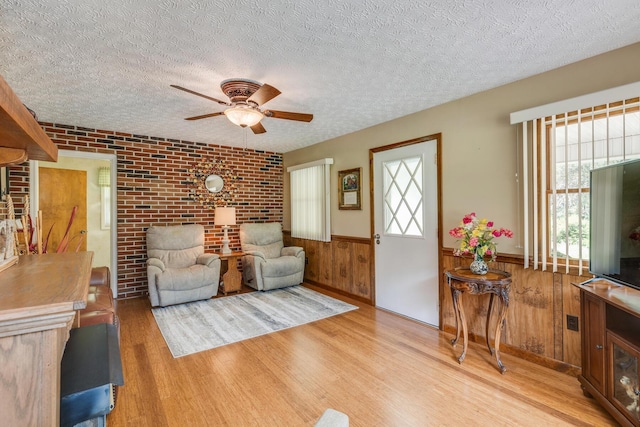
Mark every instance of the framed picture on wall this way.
pixel 350 189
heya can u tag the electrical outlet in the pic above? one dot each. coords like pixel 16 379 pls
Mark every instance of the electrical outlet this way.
pixel 572 322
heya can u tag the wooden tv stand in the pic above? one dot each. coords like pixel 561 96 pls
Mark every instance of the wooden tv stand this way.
pixel 39 297
pixel 610 329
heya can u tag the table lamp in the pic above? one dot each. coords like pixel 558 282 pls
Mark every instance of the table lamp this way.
pixel 225 217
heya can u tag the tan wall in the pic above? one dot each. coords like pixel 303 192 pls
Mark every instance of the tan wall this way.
pixel 478 144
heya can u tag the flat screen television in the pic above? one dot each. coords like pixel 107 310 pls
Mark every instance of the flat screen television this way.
pixel 615 223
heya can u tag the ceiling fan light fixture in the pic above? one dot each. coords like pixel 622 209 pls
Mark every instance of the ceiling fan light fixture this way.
pixel 243 116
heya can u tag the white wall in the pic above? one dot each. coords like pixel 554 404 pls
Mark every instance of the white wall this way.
pixel 478 145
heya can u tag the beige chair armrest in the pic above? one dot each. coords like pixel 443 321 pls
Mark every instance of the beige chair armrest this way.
pixel 255 254
pixel 155 262
pixel 207 259
pixel 291 251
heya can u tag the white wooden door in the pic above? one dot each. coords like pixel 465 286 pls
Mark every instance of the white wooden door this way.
pixel 406 221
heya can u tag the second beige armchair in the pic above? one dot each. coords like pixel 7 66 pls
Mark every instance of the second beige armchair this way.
pixel 267 263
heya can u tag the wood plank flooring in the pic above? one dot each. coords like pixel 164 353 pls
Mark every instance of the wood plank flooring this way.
pixel 377 367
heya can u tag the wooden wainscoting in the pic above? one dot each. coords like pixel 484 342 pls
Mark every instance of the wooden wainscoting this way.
pixel 536 324
pixel 342 265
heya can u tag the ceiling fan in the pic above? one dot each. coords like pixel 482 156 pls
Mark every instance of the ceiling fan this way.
pixel 245 99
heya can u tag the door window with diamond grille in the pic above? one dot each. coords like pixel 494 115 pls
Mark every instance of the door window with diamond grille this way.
pixel 403 203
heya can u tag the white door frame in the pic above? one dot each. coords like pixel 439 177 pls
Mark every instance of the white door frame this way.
pixel 113 163
pixel 438 138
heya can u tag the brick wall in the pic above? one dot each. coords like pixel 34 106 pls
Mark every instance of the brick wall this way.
pixel 153 189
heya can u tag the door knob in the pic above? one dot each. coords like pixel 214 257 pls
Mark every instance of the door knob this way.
pixel 377 238
pixel 599 347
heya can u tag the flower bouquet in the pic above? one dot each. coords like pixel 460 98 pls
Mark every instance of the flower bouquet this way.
pixel 476 237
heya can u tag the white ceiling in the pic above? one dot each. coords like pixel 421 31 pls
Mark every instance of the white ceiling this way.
pixel 352 63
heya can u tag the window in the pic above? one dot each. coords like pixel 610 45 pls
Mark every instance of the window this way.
pixel 402 189
pixel 310 200
pixel 580 141
pixel 104 182
pixel 105 217
pixel 559 151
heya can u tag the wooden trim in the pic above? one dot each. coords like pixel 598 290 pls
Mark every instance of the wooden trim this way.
pixel 519 260
pixel 438 138
pixel 339 291
pixel 351 239
pixel 338 238
pixel 523 354
pixel 508 258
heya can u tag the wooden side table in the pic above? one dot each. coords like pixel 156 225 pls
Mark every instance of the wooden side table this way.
pixel 495 282
pixel 230 277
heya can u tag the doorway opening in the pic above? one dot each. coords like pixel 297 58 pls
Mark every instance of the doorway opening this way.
pixel 98 193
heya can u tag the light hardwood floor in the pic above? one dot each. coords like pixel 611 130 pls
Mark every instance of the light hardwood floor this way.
pixel 377 367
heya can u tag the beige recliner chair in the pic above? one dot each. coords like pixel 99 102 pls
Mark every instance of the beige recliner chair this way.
pixel 267 263
pixel 177 267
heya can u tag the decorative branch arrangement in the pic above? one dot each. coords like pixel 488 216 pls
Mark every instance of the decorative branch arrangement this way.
pixel 199 192
pixel 30 232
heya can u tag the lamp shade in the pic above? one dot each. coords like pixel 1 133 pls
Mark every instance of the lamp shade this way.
pixel 225 216
pixel 243 116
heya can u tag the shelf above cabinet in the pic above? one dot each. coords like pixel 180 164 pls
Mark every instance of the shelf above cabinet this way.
pixel 21 137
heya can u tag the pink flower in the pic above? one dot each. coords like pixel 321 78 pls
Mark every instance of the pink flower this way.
pixel 488 252
pixel 473 242
pixel 496 233
pixel 490 224
pixel 506 232
pixel 468 218
pixel 456 232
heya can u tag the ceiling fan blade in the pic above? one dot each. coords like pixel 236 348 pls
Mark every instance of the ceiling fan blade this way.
pixel 199 94
pixel 300 117
pixel 258 128
pixel 204 116
pixel 264 94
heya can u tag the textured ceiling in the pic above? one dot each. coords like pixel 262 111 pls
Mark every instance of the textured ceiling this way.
pixel 353 64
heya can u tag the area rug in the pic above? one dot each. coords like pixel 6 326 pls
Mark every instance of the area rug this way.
pixel 203 325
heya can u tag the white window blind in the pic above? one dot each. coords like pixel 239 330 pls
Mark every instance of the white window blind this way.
pixel 560 147
pixel 310 200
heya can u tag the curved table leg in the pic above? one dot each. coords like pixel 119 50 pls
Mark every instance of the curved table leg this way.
pixel 504 305
pixel 486 327
pixel 456 311
pixel 465 337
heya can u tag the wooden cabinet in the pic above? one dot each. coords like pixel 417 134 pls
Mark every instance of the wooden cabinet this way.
pixel 610 323
pixel 593 340
pixel 623 376
pixel 39 297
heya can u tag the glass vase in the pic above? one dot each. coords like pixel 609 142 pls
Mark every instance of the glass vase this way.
pixel 479 266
